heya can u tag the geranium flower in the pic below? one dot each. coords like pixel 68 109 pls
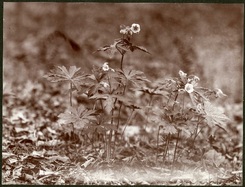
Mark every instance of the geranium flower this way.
pixel 105 66
pixel 189 88
pixel 193 80
pixel 126 30
pixel 182 74
pixel 135 28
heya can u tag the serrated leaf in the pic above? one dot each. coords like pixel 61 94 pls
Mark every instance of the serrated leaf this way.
pixel 154 91
pixel 104 48
pixel 168 128
pixel 141 48
pixel 135 76
pixel 108 101
pixel 110 49
pixel 127 102
pixel 214 116
pixel 61 74
pixel 78 116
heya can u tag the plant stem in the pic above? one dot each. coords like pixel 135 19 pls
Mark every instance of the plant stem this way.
pixel 119 110
pixel 158 133
pixel 108 157
pixel 175 99
pixel 175 149
pixel 183 103
pixel 101 104
pixel 70 94
pixel 108 149
pixel 166 149
pixel 122 61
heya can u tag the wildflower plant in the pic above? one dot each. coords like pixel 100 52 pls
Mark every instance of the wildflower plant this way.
pixel 183 108
pixel 124 44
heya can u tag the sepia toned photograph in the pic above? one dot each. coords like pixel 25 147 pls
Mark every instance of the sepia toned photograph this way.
pixel 122 93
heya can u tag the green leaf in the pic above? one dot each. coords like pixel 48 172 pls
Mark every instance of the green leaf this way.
pixel 214 116
pixel 80 116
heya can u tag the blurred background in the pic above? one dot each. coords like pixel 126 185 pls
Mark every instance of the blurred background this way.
pixel 201 39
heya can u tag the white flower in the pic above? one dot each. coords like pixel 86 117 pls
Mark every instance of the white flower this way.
pixel 123 31
pixel 105 66
pixel 196 78
pixel 135 28
pixel 105 84
pixel 189 88
pixel 182 74
pixel 193 80
pixel 126 30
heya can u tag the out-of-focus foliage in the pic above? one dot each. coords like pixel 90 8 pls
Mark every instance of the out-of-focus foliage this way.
pixel 202 38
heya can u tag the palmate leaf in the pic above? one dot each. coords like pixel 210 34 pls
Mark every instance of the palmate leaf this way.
pixel 122 45
pixel 110 49
pixel 112 46
pixel 135 76
pixel 126 46
pixel 214 116
pixel 80 116
pixel 168 128
pixel 135 47
pixel 154 91
pixel 61 74
pixel 108 101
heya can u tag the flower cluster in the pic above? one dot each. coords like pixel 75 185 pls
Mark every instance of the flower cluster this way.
pixel 190 81
pixel 126 30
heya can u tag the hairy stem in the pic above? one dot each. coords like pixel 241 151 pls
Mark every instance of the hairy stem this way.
pixel 175 99
pixel 110 138
pixel 108 149
pixel 166 149
pixel 70 94
pixel 122 61
pixel 119 110
pixel 175 149
pixel 158 133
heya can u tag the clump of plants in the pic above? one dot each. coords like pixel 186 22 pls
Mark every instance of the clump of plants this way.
pixel 177 109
